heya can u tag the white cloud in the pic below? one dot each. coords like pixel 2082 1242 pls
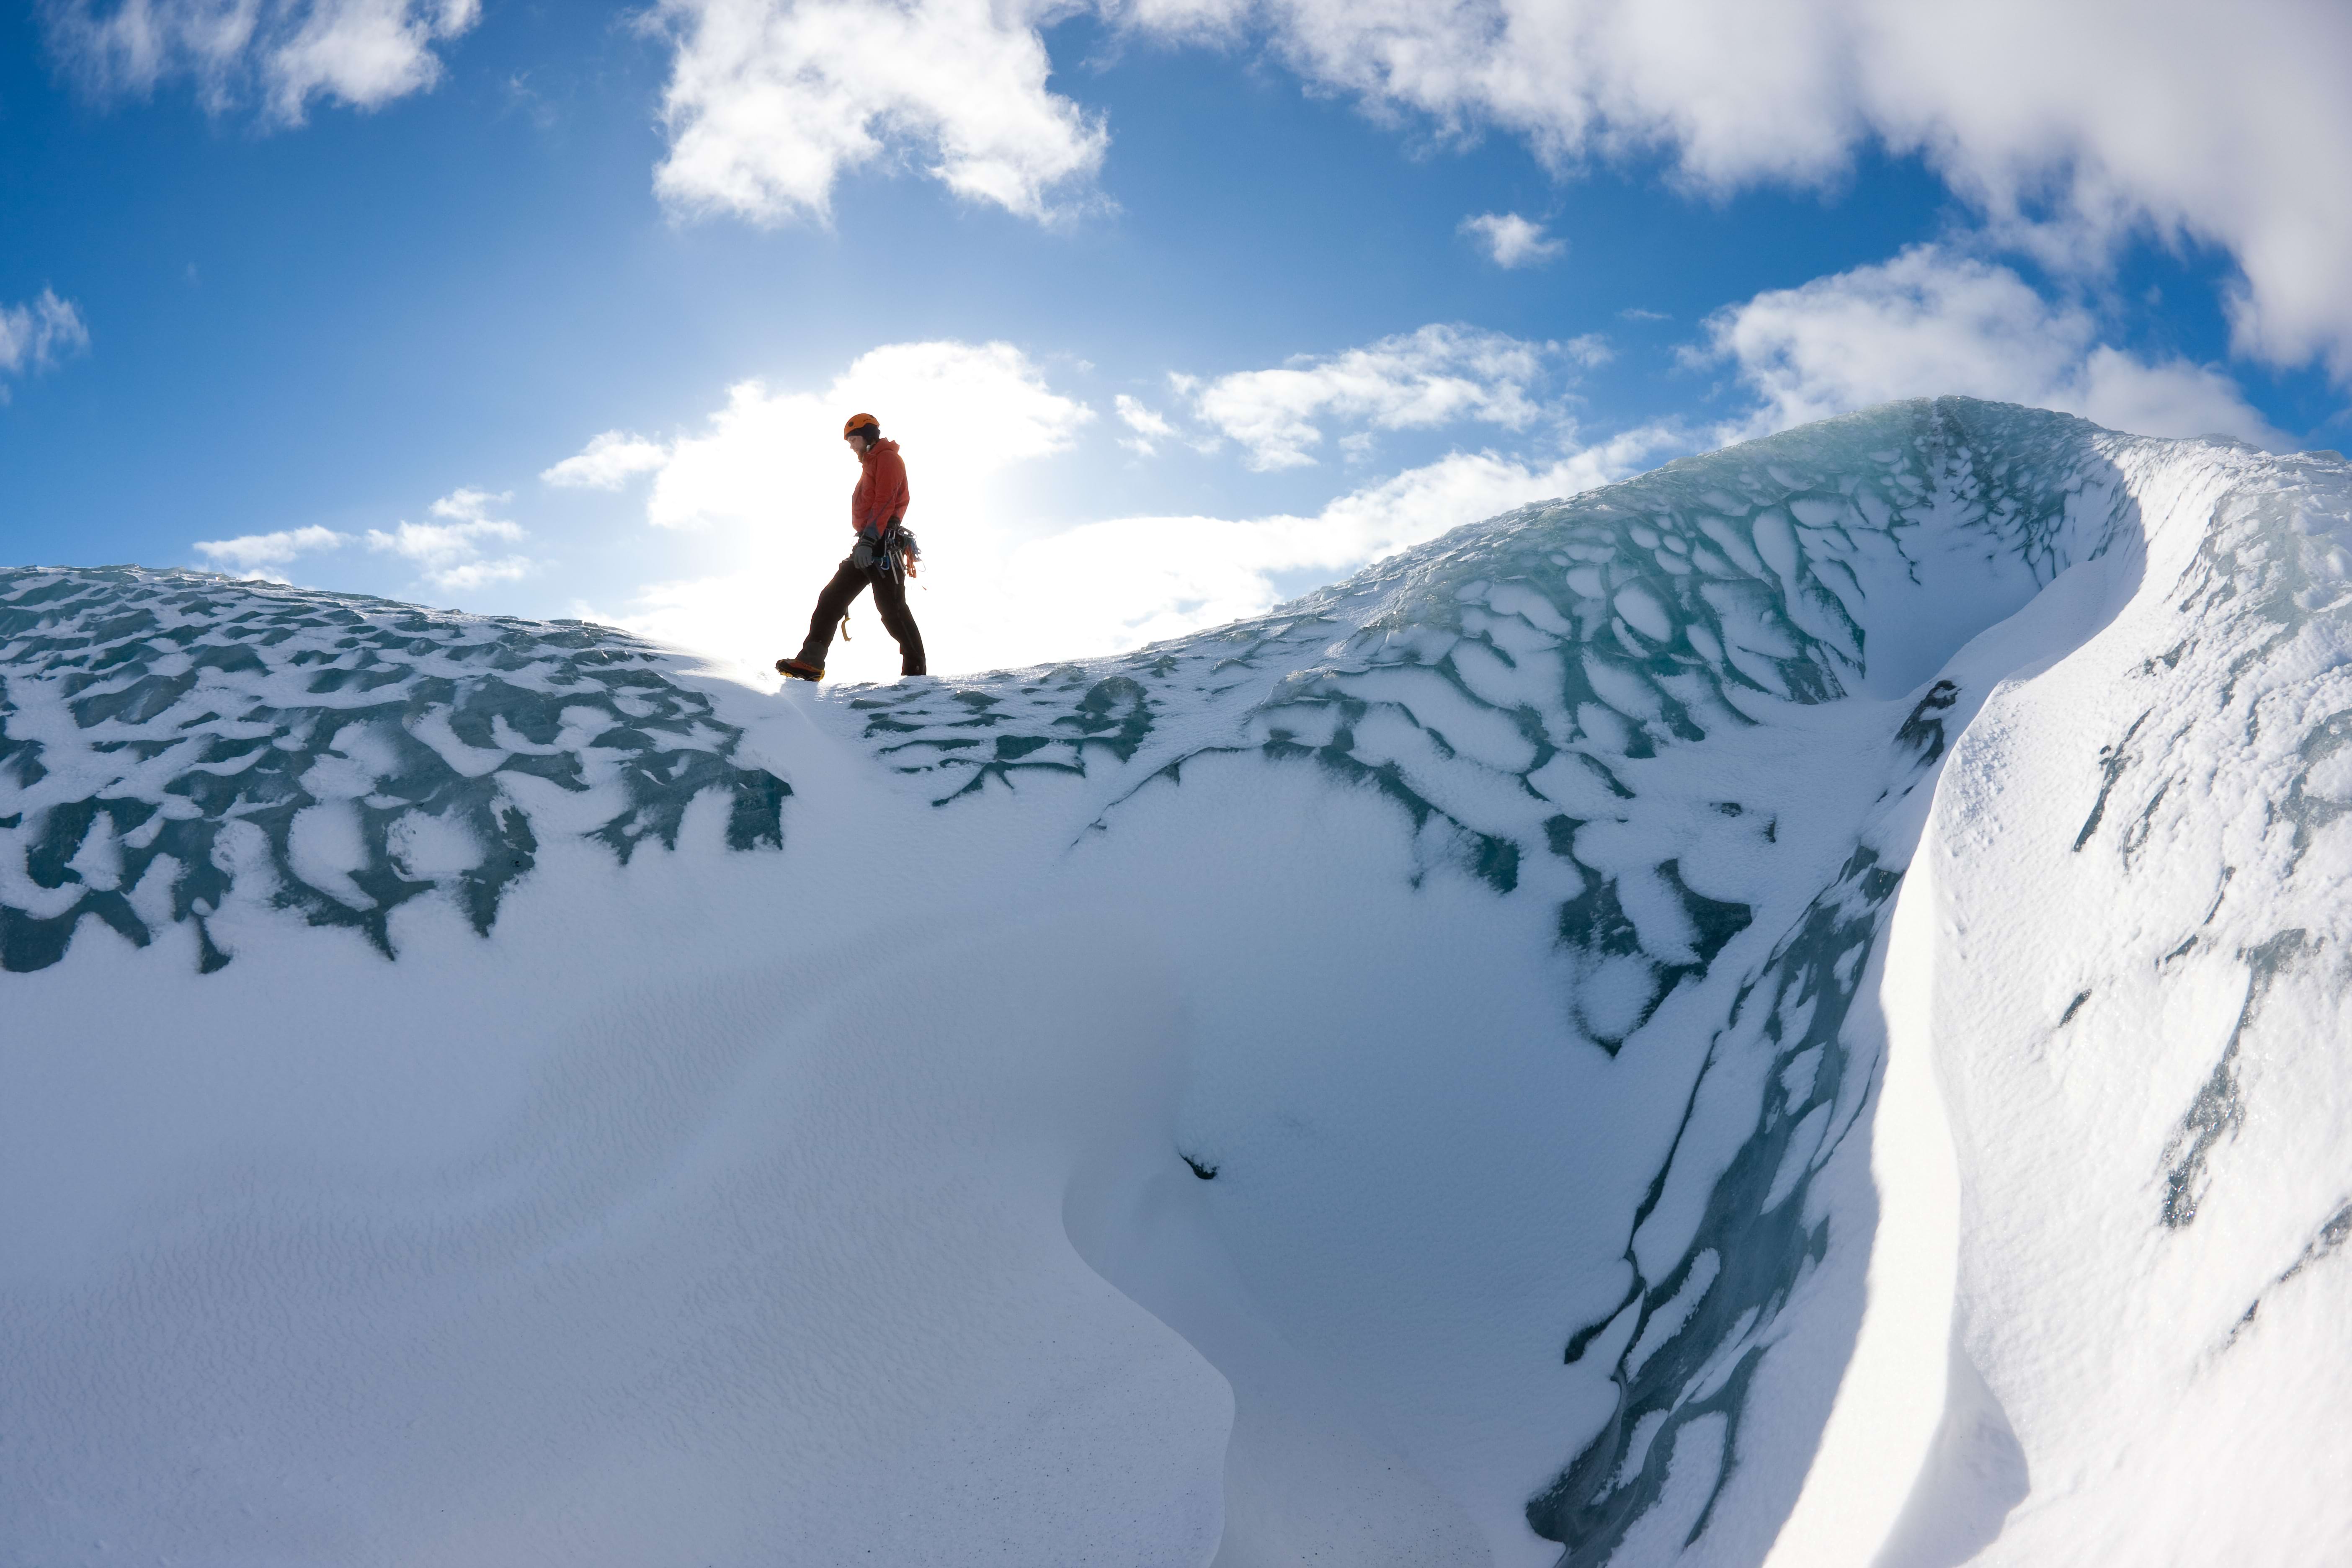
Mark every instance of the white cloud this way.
pixel 607 462
pixel 1211 22
pixel 361 53
pixel 1512 240
pixel 36 334
pixel 1931 322
pixel 1150 426
pixel 968 409
pixel 762 489
pixel 452 555
pixel 1590 350
pixel 2067 127
pixel 1438 375
pixel 260 554
pixel 770 102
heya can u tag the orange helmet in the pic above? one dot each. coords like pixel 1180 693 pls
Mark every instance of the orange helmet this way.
pixel 861 421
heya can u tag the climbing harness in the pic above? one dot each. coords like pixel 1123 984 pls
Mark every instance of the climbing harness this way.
pixel 899 551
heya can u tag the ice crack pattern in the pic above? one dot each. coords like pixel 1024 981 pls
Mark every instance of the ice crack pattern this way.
pixel 1540 696
pixel 1625 790
pixel 168 738
pixel 1498 683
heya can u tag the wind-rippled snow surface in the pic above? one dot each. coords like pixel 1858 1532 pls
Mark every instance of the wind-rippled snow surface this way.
pixel 1784 1009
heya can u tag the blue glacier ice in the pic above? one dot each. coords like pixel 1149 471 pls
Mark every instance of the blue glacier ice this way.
pixel 1783 1010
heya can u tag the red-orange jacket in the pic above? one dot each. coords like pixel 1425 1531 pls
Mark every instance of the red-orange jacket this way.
pixel 881 493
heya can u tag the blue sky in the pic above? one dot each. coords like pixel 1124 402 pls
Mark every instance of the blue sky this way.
pixel 1226 304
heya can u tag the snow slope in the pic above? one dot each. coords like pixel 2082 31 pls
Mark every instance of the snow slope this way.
pixel 1787 1008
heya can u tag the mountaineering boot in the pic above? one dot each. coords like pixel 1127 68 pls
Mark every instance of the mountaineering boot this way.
pixel 800 669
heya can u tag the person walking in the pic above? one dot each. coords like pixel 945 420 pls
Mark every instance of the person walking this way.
pixel 883 557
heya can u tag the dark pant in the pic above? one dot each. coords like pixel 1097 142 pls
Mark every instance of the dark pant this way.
pixel 890 598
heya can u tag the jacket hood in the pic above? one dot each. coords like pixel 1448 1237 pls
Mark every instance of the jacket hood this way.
pixel 884 444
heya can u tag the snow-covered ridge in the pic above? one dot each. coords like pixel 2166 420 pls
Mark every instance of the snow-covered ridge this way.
pixel 347 753
pixel 1539 695
pixel 1457 1012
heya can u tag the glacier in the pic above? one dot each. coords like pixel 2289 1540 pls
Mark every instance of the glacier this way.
pixel 1786 1010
